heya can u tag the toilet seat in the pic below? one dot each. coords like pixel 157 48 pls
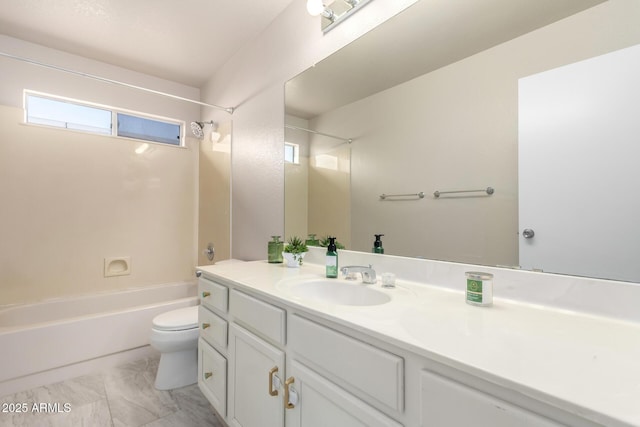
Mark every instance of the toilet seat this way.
pixel 177 320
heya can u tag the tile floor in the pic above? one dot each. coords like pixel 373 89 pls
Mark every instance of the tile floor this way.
pixel 119 397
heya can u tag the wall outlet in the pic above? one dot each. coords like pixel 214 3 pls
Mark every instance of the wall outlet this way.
pixel 117 266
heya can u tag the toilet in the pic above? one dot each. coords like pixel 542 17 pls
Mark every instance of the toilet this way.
pixel 175 335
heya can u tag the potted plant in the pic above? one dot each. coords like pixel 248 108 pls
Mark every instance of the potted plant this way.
pixel 294 251
pixel 324 241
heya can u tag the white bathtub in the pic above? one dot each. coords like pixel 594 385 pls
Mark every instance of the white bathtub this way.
pixel 42 342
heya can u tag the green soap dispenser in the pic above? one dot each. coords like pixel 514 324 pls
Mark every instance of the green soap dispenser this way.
pixel 312 241
pixel 332 259
pixel 377 245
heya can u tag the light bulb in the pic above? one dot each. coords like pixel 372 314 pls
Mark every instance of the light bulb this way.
pixel 315 7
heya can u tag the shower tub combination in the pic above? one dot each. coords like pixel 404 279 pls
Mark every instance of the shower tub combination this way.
pixel 57 339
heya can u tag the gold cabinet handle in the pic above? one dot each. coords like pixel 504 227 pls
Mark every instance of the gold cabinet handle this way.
pixel 206 325
pixel 208 375
pixel 206 294
pixel 272 372
pixel 287 383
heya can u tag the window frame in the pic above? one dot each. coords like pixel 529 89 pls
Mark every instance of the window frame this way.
pixel 115 111
pixel 296 153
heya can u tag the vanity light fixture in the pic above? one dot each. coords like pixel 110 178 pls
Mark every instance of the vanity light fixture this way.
pixel 315 7
pixel 334 15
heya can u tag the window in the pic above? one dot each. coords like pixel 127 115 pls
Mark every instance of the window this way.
pixel 52 112
pixel 291 153
pixel 62 113
pixel 148 130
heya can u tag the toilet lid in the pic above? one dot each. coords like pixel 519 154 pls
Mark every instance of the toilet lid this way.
pixel 177 320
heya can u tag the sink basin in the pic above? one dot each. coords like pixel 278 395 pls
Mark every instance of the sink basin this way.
pixel 339 292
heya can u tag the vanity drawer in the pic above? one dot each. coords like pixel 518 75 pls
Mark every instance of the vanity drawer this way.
pixel 258 315
pixel 375 374
pixel 213 328
pixel 212 376
pixel 442 399
pixel 213 294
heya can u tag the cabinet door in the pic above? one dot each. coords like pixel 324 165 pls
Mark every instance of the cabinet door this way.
pixel 254 400
pixel 320 403
pixel 448 403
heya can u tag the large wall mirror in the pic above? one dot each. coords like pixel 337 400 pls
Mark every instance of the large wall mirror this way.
pixel 432 101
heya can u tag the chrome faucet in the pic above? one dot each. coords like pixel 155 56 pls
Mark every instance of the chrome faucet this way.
pixel 368 273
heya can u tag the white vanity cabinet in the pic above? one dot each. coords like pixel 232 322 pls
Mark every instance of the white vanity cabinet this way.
pixel 212 360
pixel 254 397
pixel 212 376
pixel 373 374
pixel 445 402
pixel 253 378
pixel 317 402
pixel 267 362
pixel 339 380
pixel 257 362
pixel 213 296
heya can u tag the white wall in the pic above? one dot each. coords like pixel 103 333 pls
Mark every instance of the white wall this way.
pixel 253 80
pixel 214 213
pixel 17 76
pixel 255 77
pixel 71 199
pixel 330 194
pixel 297 178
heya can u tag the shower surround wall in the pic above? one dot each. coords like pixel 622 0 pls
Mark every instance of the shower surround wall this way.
pixel 70 199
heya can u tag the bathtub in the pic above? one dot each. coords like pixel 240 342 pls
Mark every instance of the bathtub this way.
pixel 43 341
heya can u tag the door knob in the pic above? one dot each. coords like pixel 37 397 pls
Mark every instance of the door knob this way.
pixel 528 233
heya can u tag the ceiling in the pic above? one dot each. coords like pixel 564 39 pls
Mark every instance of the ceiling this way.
pixel 184 41
pixel 428 35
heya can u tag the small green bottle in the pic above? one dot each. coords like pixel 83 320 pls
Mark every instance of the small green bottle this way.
pixel 312 241
pixel 275 249
pixel 332 259
pixel 377 245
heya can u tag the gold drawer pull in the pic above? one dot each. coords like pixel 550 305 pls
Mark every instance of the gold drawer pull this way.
pixel 272 372
pixel 206 325
pixel 206 294
pixel 208 375
pixel 288 383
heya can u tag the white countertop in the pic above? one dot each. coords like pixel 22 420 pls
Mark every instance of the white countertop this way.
pixel 586 364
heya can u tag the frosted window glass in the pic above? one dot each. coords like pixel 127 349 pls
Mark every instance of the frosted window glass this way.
pixel 148 129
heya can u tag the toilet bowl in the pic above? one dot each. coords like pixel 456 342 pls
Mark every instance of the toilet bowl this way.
pixel 175 335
